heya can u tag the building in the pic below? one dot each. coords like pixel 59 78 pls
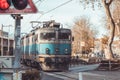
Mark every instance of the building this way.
pixel 6 44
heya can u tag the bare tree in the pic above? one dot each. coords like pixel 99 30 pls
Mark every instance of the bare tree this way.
pixel 116 17
pixel 107 6
pixel 84 36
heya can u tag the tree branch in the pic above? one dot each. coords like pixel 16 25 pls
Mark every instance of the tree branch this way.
pixel 110 1
pixel 107 3
pixel 104 1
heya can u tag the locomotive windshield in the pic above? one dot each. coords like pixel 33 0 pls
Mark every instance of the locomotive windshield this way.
pixel 64 36
pixel 47 36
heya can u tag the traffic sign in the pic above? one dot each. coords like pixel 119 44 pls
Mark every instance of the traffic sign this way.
pixel 17 7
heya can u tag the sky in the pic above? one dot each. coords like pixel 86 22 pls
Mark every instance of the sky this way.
pixel 65 14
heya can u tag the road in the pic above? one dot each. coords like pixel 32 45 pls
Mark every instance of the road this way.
pixel 47 77
pixel 72 74
pixel 60 76
pixel 86 75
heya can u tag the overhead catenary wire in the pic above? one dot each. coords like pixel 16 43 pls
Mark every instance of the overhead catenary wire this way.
pixel 51 9
pixel 38 4
pixel 37 1
pixel 54 8
pixel 31 15
pixel 41 1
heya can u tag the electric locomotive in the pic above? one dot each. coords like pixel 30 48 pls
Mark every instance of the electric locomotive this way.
pixel 49 45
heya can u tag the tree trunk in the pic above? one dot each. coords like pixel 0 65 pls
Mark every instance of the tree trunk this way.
pixel 112 28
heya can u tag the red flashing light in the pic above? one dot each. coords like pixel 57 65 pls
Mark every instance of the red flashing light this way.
pixel 4 4
pixel 17 7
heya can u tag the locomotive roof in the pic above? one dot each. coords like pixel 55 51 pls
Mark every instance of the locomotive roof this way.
pixel 49 29
pixel 46 25
pixel 50 25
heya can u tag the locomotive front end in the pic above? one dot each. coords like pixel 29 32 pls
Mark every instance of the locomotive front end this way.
pixel 55 48
pixel 49 46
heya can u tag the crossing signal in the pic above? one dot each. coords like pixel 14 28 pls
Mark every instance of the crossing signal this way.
pixel 17 6
pixel 20 4
pixel 5 4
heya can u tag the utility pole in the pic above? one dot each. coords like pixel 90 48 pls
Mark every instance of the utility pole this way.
pixel 17 51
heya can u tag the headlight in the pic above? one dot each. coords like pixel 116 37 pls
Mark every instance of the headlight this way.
pixel 47 51
pixel 56 49
pixel 66 51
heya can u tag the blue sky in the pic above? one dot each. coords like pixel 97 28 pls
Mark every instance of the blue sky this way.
pixel 65 14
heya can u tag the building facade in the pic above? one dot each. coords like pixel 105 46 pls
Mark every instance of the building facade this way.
pixel 6 44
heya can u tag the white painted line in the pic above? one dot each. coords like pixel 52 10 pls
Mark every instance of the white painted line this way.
pixel 80 76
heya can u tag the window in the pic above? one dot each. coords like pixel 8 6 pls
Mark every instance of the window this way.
pixel 27 41
pixel 34 38
pixel 47 36
pixel 64 36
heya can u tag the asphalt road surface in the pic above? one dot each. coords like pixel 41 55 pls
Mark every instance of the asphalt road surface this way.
pixel 86 75
pixel 60 76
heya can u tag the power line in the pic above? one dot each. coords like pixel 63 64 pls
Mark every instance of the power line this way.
pixel 31 14
pixel 58 6
pixel 51 9
pixel 41 1
pixel 38 1
pixel 55 8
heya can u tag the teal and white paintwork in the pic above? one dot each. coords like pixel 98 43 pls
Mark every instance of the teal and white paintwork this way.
pixel 2 77
pixel 41 49
pixel 48 44
pixel 5 76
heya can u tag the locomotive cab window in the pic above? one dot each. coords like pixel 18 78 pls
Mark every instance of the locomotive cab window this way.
pixel 34 38
pixel 65 36
pixel 47 36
